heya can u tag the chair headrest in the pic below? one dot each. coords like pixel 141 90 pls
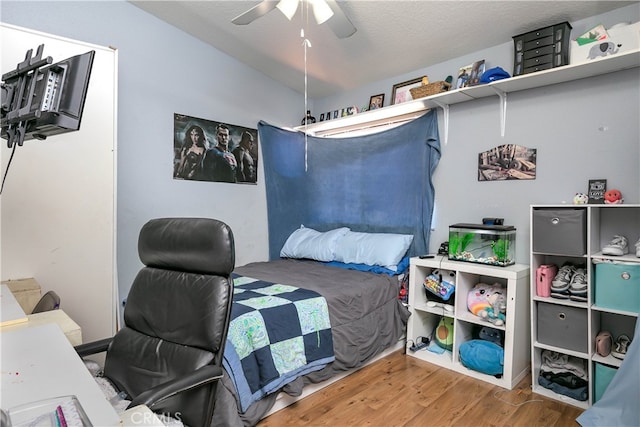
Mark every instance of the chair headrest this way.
pixel 198 245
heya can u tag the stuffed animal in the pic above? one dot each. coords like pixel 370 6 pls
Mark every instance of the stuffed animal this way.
pixel 580 199
pixel 477 298
pixel 488 302
pixel 613 197
pixel 495 313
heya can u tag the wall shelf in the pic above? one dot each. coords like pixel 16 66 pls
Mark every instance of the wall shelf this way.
pixel 409 110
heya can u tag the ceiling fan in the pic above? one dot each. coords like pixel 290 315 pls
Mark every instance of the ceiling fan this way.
pixel 328 11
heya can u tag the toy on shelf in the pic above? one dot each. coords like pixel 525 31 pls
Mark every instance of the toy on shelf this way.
pixel 580 199
pixel 613 197
pixel 488 302
pixel 436 285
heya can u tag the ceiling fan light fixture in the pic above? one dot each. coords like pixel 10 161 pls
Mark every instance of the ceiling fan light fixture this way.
pixel 321 11
pixel 288 8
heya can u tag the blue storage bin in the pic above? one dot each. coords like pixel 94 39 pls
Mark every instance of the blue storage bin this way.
pixel 617 286
pixel 603 375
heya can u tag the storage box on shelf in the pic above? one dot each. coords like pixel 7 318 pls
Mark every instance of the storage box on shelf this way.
pixel 425 316
pixel 541 49
pixel 576 234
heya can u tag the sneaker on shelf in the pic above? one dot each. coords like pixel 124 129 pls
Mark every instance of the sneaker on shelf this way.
pixel 617 246
pixel 638 248
pixel 578 285
pixel 622 343
pixel 562 280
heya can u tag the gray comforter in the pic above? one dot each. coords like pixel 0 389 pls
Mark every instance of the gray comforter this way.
pixel 366 318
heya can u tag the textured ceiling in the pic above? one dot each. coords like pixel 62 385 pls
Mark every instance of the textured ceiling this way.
pixel 393 37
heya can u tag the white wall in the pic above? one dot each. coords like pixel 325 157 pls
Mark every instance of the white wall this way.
pixel 163 71
pixel 58 203
pixel 582 130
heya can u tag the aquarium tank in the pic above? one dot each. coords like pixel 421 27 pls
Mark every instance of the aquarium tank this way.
pixel 483 244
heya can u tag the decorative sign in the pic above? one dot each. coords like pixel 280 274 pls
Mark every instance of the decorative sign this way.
pixel 597 188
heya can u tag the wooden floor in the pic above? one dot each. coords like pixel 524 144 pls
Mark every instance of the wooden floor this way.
pixel 404 391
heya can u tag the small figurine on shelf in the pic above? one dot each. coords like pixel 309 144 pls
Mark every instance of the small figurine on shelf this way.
pixel 580 199
pixel 308 119
pixel 613 197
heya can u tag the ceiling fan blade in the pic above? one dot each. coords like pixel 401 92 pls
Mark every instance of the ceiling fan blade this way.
pixel 339 23
pixel 255 12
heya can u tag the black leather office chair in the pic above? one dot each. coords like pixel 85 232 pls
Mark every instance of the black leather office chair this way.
pixel 169 353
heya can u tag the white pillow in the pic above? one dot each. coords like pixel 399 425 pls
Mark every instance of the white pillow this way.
pixel 385 249
pixel 312 244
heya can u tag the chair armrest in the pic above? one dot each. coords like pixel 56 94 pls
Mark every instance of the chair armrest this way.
pixel 205 375
pixel 93 347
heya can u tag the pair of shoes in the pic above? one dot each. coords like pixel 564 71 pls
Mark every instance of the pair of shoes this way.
pixel 618 246
pixel 562 281
pixel 622 344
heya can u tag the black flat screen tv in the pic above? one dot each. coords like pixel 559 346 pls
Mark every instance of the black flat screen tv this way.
pixel 44 101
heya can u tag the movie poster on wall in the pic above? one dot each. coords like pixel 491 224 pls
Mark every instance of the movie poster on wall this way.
pixel 206 150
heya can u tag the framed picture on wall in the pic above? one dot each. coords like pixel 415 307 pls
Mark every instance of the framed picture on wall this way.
pixel 400 91
pixel 376 101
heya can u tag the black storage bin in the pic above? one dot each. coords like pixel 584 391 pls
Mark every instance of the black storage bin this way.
pixel 563 326
pixel 560 231
pixel 541 49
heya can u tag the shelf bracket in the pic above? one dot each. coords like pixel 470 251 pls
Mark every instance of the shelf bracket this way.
pixel 445 109
pixel 503 109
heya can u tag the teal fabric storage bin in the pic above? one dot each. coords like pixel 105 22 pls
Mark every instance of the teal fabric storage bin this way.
pixel 617 286
pixel 603 375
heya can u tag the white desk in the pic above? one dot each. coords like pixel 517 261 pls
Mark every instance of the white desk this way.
pixel 70 328
pixel 40 363
pixel 11 312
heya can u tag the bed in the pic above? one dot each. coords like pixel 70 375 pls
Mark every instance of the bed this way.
pixel 366 318
pixel 357 184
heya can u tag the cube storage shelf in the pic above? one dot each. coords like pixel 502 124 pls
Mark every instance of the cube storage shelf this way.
pixel 424 318
pixel 578 233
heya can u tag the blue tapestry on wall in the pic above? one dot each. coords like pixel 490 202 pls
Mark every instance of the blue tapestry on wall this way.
pixel 379 183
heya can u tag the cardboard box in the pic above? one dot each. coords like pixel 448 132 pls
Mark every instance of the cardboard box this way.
pixel 621 39
pixel 27 292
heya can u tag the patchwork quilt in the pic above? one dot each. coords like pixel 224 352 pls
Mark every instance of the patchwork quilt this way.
pixel 276 334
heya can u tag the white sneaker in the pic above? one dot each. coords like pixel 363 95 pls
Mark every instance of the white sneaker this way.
pixel 617 246
pixel 638 248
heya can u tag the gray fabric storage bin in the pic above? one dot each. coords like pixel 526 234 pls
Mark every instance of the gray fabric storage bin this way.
pixel 560 231
pixel 563 326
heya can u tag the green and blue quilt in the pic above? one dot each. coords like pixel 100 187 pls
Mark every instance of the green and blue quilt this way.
pixel 276 334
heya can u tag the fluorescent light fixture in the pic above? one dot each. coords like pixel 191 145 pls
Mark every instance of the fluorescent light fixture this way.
pixel 288 7
pixel 321 11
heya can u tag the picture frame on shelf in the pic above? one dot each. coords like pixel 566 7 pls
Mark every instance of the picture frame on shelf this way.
pixel 470 75
pixel 401 91
pixel 596 190
pixel 376 101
